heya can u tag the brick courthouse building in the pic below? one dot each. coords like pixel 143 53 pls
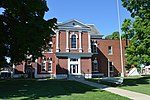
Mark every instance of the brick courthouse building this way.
pixel 76 49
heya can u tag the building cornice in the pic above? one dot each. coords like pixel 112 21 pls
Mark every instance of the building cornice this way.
pixel 74 28
pixel 71 54
pixel 95 36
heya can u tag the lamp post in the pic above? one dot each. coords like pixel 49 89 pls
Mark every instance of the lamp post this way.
pixel 122 67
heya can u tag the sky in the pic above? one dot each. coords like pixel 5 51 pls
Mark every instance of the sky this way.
pixel 101 13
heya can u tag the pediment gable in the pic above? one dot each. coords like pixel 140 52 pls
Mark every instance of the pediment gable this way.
pixel 73 23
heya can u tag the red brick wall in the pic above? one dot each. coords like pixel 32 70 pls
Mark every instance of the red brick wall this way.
pixel 62 41
pixel 115 57
pixel 19 69
pixel 85 42
pixel 62 66
pixel 86 65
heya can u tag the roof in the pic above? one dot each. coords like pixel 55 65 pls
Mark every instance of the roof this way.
pixel 78 25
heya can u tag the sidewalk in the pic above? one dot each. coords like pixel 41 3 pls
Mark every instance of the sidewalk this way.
pixel 122 92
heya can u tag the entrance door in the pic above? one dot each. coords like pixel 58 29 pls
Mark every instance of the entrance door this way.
pixel 74 69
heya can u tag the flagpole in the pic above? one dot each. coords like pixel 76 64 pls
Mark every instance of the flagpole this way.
pixel 119 28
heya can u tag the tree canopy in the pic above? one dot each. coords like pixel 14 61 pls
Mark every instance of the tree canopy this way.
pixel 23 29
pixel 138 51
pixel 116 36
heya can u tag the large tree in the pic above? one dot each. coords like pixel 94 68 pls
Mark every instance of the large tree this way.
pixel 23 29
pixel 138 51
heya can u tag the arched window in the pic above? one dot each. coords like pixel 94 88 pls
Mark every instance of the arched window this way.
pixel 94 47
pixel 73 41
pixel 43 65
pixel 95 65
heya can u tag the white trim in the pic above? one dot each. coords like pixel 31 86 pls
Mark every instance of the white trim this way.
pixel 67 47
pixel 74 62
pixel 35 69
pixel 111 53
pixel 89 42
pixel 92 49
pixel 57 41
pixel 108 69
pixel 51 66
pixel 23 67
pixel 80 41
pixel 88 76
pixel 61 24
pixel 68 65
pixel 51 47
pixel 79 65
pixel 43 61
pixel 73 33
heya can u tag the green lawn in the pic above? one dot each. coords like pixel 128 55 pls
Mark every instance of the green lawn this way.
pixel 20 89
pixel 137 84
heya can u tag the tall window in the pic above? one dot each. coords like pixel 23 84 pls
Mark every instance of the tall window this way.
pixel 94 47
pixel 110 50
pixel 49 47
pixel 95 66
pixel 111 67
pixel 73 41
pixel 43 65
pixel 50 66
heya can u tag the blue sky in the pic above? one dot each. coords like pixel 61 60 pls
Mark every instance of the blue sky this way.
pixel 102 13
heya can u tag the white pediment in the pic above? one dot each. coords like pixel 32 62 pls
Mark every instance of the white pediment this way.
pixel 73 23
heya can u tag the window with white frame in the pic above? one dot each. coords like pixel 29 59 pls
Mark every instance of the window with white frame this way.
pixel 95 66
pixel 50 66
pixel 110 50
pixel 49 47
pixel 43 65
pixel 111 67
pixel 73 41
pixel 94 47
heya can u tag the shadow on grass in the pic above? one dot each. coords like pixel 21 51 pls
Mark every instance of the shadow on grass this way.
pixel 33 89
pixel 128 81
pixel 135 81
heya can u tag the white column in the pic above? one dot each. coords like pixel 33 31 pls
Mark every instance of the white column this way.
pixel 35 69
pixel 108 68
pixel 23 67
pixel 57 41
pixel 89 42
pixel 67 47
pixel 68 66
pixel 80 42
pixel 79 66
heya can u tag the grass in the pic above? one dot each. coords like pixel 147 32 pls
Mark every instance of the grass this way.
pixel 20 89
pixel 136 84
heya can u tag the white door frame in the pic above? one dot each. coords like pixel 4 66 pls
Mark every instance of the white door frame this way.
pixel 74 63
pixel 72 70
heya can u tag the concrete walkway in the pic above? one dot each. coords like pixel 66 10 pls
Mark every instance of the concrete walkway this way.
pixel 121 92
